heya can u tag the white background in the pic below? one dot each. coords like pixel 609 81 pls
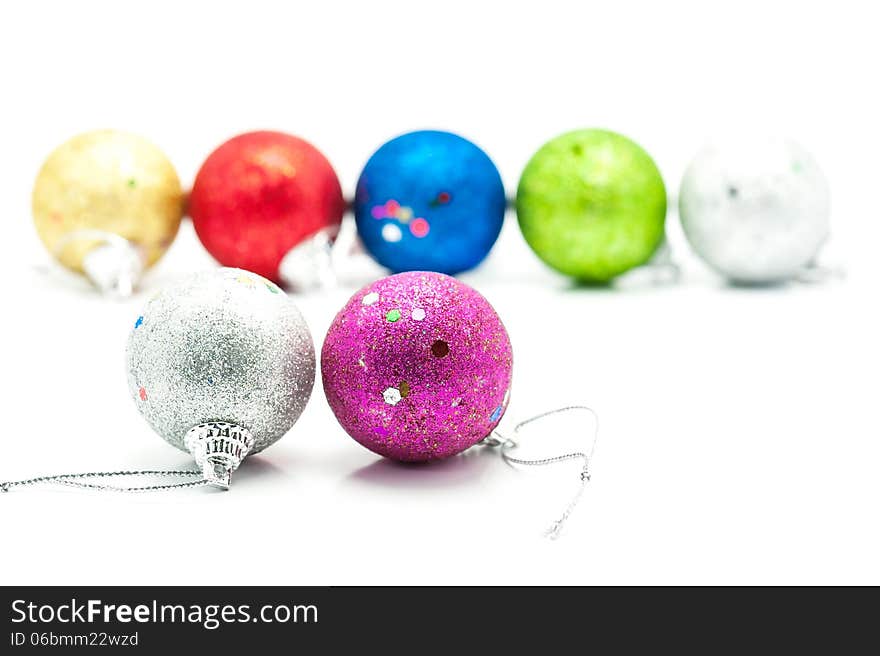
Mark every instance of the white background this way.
pixel 738 440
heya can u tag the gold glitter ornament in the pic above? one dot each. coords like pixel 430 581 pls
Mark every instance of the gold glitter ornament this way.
pixel 101 186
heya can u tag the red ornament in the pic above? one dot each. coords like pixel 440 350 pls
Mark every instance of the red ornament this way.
pixel 259 195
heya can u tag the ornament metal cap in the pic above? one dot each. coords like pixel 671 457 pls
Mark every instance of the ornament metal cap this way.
pixel 218 448
pixel 309 266
pixel 114 264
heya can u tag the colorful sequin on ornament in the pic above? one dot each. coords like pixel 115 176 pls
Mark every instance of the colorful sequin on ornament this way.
pixel 442 198
pixel 418 226
pixel 252 281
pixel 391 233
pixel 139 322
pixel 392 396
pixel 497 412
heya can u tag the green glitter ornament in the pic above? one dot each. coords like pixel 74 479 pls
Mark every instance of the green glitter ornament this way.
pixel 592 204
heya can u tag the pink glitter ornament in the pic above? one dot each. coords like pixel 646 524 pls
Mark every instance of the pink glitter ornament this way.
pixel 417 367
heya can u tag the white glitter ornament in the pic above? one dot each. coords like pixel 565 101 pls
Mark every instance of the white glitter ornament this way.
pixel 221 365
pixel 757 211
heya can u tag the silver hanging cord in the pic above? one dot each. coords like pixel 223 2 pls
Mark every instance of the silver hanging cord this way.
pixel 218 448
pixel 76 480
pixel 507 445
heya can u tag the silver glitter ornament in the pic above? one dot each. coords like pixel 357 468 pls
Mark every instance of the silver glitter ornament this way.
pixel 757 211
pixel 221 365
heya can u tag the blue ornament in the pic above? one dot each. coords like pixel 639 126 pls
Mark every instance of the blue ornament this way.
pixel 429 201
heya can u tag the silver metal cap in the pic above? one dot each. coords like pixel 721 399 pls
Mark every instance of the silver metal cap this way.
pixel 114 265
pixel 218 448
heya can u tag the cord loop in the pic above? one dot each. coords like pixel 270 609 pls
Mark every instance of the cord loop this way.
pixel 506 445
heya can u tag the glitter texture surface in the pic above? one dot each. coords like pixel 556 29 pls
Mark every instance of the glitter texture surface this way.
pixel 224 345
pixel 259 195
pixel 109 181
pixel 429 200
pixel 755 210
pixel 417 389
pixel 592 204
